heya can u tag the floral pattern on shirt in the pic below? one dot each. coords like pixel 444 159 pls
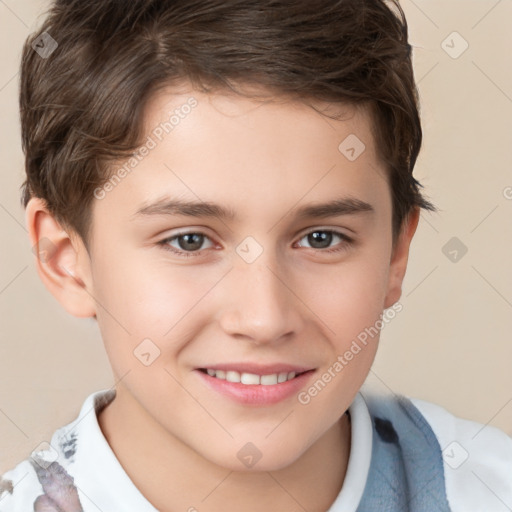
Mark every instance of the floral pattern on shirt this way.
pixel 60 493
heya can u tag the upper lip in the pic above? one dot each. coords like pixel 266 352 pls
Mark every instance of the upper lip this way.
pixel 258 369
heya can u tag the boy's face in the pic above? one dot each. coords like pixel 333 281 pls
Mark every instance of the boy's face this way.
pixel 253 292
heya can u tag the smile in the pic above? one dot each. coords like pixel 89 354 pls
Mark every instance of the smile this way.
pixel 255 385
pixel 251 379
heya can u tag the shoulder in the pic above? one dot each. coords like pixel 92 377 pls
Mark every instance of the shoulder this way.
pixel 41 482
pixel 44 481
pixel 475 459
pixel 19 488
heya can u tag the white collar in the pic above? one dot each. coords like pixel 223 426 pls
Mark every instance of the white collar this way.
pixel 101 481
pixel 359 458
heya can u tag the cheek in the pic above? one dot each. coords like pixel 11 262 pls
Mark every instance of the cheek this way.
pixel 141 300
pixel 347 297
pixel 350 305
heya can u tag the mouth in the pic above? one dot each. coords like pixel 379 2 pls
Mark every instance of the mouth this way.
pixel 254 385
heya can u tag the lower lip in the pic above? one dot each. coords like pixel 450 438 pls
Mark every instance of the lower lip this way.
pixel 257 394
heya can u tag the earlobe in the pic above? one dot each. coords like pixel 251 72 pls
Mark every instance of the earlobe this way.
pixel 62 261
pixel 399 258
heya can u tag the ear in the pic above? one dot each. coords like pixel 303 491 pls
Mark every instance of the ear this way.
pixel 62 261
pixel 399 257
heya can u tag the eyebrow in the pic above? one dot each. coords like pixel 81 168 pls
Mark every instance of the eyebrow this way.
pixel 334 208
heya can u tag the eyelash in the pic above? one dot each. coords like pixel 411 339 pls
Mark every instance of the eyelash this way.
pixel 346 242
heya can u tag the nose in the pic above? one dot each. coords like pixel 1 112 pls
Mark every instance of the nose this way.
pixel 259 303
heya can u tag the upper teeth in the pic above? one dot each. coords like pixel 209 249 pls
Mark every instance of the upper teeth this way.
pixel 251 378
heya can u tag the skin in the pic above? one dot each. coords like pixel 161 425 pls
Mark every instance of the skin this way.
pixel 295 303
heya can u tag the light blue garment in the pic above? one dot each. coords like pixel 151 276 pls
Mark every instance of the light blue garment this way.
pixel 406 472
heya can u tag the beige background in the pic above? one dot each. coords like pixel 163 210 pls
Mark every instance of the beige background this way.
pixel 451 344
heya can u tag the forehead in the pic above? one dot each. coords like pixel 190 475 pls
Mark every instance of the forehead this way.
pixel 254 155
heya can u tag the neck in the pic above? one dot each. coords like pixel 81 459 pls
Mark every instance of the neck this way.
pixel 172 476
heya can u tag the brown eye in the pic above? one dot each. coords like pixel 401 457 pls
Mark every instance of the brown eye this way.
pixel 190 241
pixel 189 244
pixel 322 239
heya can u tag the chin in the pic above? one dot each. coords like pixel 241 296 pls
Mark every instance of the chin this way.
pixel 250 458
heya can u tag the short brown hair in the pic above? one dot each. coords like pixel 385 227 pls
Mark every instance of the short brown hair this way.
pixel 82 106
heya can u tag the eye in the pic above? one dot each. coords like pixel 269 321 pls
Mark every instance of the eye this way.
pixel 322 238
pixel 189 244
